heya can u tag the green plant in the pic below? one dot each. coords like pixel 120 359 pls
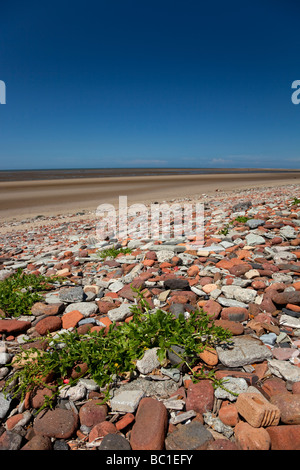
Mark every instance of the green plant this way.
pixel 295 201
pixel 113 252
pixel 115 353
pixel 242 218
pixel 19 292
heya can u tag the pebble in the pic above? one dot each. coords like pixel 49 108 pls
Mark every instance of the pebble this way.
pixel 245 278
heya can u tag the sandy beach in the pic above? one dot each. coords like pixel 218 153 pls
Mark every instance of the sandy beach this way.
pixel 24 199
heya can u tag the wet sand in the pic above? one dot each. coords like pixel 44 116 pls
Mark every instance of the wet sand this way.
pixel 22 199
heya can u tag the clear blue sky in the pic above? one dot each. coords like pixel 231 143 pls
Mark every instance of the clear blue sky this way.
pixel 141 83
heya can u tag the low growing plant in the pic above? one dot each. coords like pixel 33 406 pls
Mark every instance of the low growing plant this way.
pixel 113 252
pixel 20 291
pixel 114 353
pixel 242 218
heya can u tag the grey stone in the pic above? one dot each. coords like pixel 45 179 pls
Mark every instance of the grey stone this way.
pixel 288 232
pixel 284 369
pixel 175 355
pixel 288 320
pixel 114 442
pixel 243 350
pixel 217 425
pixel 5 403
pixel 242 206
pixel 231 387
pixel 239 293
pixel 85 308
pixel 126 401
pixel 191 436
pixel 268 338
pixel 72 294
pixel 116 286
pixel 119 313
pixel 5 358
pixel 252 239
pixel 164 255
pixel 180 418
pixel 231 302
pixel 12 441
pixel 254 223
pixel 161 388
pixel 173 373
pixel 149 361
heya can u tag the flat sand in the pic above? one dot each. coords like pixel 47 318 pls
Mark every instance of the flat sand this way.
pixel 21 200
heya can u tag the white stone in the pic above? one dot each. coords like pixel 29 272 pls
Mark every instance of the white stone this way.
pixel 126 401
pixel 149 361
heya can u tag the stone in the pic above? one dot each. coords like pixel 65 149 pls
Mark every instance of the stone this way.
pixel 236 314
pixel 215 423
pixel 58 423
pixel 149 429
pixel 181 284
pixel 257 411
pixel 289 406
pixel 39 308
pixel 252 239
pixel 235 328
pixel 250 438
pixel 254 223
pixel 149 361
pixel 200 397
pixel 288 297
pixel 231 302
pixel 284 369
pixel 101 430
pixel 119 313
pixel 38 443
pixel 71 294
pixel 10 441
pixel 114 442
pixel 191 436
pixel 284 437
pixel 70 319
pixel 5 403
pixel 228 413
pixel 243 350
pixel 222 444
pixel 231 388
pixel 126 401
pixel 212 308
pixel 273 386
pixel 48 325
pixel 14 327
pixel 209 356
pixel 92 412
pixel 239 293
pixel 125 421
pixel 85 308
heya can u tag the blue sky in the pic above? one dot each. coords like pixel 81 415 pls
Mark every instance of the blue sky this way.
pixel 149 84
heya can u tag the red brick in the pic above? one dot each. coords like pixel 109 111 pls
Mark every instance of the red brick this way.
pixel 249 438
pixel 228 414
pixel 200 396
pixel 101 429
pixel 149 429
pixel 284 437
pixel 289 406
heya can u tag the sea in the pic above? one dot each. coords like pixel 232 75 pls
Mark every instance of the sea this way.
pixel 70 173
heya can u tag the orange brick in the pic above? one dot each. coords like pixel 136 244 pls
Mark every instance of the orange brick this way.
pixel 256 410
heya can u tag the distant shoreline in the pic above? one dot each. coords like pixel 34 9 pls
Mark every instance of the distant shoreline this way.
pixel 84 173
